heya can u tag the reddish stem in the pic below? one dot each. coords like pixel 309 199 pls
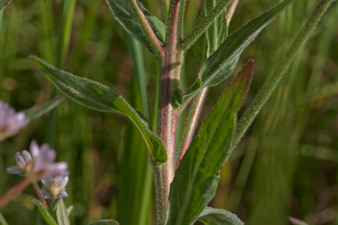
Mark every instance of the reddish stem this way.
pixel 14 192
pixel 38 192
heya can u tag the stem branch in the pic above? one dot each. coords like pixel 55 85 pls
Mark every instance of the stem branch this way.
pixel 38 192
pixel 147 28
pixel 13 192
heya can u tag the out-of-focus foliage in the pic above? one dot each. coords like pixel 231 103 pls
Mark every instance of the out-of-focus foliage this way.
pixel 285 166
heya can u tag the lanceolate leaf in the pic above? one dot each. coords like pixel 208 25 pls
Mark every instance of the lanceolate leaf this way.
pixel 123 13
pixel 197 176
pixel 45 214
pixel 222 63
pixel 215 35
pixel 104 222
pixel 61 213
pixel 211 216
pixel 99 97
pixel 38 111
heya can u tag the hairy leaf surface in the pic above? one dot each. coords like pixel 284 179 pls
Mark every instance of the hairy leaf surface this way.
pixel 99 97
pixel 125 15
pixel 222 62
pixel 61 213
pixel 104 222
pixel 216 33
pixel 197 176
pixel 45 214
pixel 211 216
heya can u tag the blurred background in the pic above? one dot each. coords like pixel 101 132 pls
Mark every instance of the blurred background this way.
pixel 286 165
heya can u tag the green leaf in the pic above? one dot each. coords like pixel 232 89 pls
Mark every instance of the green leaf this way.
pixel 197 176
pixel 61 212
pixel 211 216
pixel 216 33
pixel 99 97
pixel 45 214
pixel 70 209
pixel 38 111
pixel 104 222
pixel 124 14
pixel 223 61
pixel 4 3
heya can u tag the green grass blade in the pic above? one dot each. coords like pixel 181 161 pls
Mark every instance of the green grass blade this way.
pixel 283 65
pixel 133 203
pixel 65 31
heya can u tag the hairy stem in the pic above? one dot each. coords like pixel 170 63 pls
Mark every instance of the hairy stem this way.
pixel 197 105
pixel 170 69
pixel 147 28
pixel 283 65
pixel 191 123
pixel 231 10
pixel 13 192
pixel 38 192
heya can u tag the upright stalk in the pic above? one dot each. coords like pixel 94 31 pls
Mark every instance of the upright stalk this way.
pixel 170 70
pixel 38 192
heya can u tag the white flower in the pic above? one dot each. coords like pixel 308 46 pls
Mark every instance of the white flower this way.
pixel 39 163
pixel 10 121
pixel 54 187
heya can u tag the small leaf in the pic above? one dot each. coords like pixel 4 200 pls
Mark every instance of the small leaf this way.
pixel 104 222
pixel 4 3
pixel 38 111
pixel 216 33
pixel 211 216
pixel 99 97
pixel 70 209
pixel 124 14
pixel 45 214
pixel 61 212
pixel 222 62
pixel 296 221
pixel 197 176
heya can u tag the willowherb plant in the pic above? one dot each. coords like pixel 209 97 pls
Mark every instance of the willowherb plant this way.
pixel 186 175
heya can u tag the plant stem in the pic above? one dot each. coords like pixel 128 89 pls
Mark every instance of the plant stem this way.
pixel 13 192
pixel 170 69
pixel 38 192
pixel 191 123
pixel 231 10
pixel 283 65
pixel 147 28
pixel 197 106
